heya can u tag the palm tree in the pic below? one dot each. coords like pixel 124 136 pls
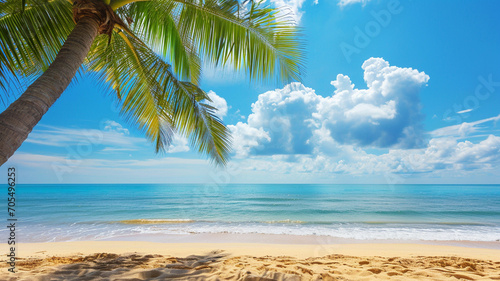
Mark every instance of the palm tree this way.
pixel 126 44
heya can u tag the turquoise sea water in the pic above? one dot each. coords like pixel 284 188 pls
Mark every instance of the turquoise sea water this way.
pixel 401 212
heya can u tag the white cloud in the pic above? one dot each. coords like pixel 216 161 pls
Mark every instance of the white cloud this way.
pixel 113 126
pixel 219 103
pixel 246 138
pixel 282 120
pixel 465 111
pixel 464 129
pixel 112 134
pixel 294 131
pixel 387 114
pixel 291 8
pixel 371 112
pixel 179 144
pixel 486 152
pixel 448 154
pixel 343 3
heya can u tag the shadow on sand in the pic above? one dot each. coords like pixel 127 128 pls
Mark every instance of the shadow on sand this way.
pixel 119 267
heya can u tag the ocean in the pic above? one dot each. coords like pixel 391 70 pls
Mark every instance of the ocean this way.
pixel 65 212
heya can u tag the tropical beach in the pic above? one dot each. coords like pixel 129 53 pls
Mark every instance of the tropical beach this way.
pixel 259 232
pixel 247 140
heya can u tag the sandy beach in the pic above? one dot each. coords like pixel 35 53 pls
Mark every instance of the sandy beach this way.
pixel 134 260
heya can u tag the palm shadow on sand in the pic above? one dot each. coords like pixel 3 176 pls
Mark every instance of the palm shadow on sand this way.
pixel 132 267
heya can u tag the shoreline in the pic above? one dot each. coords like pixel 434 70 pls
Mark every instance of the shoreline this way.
pixel 258 238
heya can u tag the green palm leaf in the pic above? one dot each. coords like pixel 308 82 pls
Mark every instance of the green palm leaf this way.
pixel 155 100
pixel 256 39
pixel 153 22
pixel 30 37
pixel 34 36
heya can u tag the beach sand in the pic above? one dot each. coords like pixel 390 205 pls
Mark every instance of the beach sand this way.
pixel 129 260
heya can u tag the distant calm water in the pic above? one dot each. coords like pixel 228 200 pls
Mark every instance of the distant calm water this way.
pixel 404 212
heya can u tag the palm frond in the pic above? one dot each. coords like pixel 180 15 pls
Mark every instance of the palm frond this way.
pixel 253 37
pixel 34 36
pixel 31 36
pixel 154 99
pixel 154 23
pixel 256 38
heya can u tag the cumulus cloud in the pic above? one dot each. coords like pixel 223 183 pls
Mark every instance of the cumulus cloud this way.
pixel 485 152
pixel 295 119
pixel 386 114
pixel 219 103
pixel 372 131
pixel 283 119
pixel 247 138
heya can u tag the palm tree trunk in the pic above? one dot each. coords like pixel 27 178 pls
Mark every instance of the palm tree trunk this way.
pixel 18 120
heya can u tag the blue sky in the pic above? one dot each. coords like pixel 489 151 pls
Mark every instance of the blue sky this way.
pixel 395 92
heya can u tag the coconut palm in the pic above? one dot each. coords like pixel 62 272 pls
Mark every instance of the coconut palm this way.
pixel 148 53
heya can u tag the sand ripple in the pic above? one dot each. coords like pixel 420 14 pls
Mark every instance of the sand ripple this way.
pixel 218 265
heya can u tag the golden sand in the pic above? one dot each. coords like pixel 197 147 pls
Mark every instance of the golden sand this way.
pixel 251 261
